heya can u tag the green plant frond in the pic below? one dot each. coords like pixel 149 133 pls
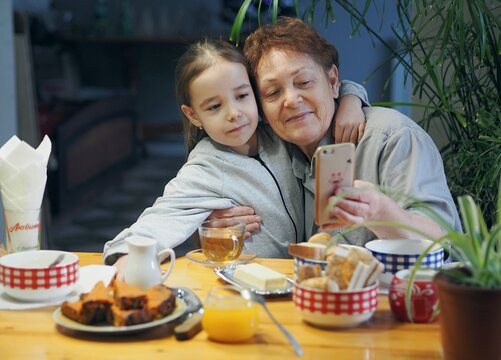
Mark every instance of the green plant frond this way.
pixel 237 24
pixel 399 103
pixel 296 7
pixel 310 12
pixel 478 20
pixel 499 203
pixel 329 13
pixel 489 245
pixel 471 221
pixel 432 214
pixel 259 12
pixel 412 276
pixel 275 10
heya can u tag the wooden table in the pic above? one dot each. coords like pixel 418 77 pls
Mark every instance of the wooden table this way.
pixel 33 334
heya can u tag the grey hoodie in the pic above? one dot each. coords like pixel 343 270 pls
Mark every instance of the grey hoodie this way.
pixel 217 178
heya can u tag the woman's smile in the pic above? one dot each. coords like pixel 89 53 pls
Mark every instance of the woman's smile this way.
pixel 298 117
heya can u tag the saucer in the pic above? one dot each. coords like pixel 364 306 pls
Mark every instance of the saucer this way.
pixel 198 257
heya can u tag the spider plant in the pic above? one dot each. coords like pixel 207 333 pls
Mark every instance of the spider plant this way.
pixel 477 248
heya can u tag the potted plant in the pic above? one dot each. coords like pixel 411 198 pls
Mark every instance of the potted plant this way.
pixel 469 294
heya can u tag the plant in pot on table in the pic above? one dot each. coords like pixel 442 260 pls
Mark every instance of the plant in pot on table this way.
pixel 470 293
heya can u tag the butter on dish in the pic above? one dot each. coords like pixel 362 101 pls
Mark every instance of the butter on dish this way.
pixel 260 277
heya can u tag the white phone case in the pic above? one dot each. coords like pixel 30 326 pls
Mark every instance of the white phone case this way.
pixel 334 168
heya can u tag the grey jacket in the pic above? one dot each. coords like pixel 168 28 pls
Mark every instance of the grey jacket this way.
pixel 216 178
pixel 396 154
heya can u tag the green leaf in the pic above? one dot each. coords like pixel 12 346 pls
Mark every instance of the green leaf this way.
pixel 237 24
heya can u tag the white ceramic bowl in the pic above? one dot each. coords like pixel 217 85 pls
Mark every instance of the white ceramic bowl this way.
pixel 400 254
pixel 26 275
pixel 340 309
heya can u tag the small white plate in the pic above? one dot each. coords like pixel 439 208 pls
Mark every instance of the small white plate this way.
pixel 197 256
pixel 227 274
pixel 67 323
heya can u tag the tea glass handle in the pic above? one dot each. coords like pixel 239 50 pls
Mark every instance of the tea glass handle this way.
pixel 164 254
pixel 236 244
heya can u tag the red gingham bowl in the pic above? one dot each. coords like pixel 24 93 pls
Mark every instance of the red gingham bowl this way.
pixel 344 308
pixel 26 275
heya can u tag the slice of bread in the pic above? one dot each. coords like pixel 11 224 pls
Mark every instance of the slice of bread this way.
pixel 307 271
pixel 319 283
pixel 313 251
pixel 320 238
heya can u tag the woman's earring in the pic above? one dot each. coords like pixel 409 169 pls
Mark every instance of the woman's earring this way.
pixel 201 128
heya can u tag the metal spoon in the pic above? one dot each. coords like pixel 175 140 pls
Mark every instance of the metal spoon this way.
pixel 249 295
pixel 57 260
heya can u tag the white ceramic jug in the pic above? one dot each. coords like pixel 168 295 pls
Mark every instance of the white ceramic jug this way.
pixel 143 264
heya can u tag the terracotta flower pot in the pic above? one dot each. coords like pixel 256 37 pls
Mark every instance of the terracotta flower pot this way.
pixel 470 320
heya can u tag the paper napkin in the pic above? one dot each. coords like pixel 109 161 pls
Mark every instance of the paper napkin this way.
pixel 23 173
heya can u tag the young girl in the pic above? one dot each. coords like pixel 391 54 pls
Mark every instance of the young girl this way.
pixel 234 160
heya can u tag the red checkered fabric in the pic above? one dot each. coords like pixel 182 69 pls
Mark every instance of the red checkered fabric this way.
pixel 62 275
pixel 348 303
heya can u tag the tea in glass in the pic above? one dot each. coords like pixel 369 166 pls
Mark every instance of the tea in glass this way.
pixel 222 240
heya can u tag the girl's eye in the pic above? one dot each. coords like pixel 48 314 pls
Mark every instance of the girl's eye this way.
pixel 214 107
pixel 242 96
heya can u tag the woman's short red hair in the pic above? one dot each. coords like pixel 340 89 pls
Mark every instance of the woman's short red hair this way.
pixel 289 34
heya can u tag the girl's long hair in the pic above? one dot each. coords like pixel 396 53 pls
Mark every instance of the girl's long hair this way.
pixel 198 58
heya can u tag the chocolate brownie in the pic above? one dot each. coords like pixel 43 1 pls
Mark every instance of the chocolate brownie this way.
pixel 120 317
pixel 161 301
pixel 92 307
pixel 128 297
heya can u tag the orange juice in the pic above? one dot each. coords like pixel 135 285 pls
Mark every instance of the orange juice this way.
pixel 228 316
pixel 230 325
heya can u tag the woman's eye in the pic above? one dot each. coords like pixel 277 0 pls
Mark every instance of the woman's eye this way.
pixel 272 94
pixel 304 83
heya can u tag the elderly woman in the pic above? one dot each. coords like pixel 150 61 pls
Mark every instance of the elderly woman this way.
pixel 297 75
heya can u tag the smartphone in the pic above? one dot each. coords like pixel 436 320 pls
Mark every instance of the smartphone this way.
pixel 334 168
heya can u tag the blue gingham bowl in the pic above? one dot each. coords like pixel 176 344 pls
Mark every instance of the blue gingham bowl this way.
pixel 299 261
pixel 400 254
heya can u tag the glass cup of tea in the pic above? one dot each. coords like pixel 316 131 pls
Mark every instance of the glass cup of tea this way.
pixel 228 317
pixel 222 239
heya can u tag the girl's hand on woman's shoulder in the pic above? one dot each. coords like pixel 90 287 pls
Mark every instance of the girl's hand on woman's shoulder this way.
pixel 349 120
pixel 243 214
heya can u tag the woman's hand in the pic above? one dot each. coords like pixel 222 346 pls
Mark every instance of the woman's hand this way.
pixel 366 204
pixel 244 214
pixel 120 265
pixel 349 120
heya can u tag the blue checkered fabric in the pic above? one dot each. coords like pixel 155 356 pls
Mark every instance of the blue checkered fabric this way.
pixel 300 261
pixel 393 263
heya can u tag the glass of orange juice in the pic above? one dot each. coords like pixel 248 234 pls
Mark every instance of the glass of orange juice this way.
pixel 228 317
